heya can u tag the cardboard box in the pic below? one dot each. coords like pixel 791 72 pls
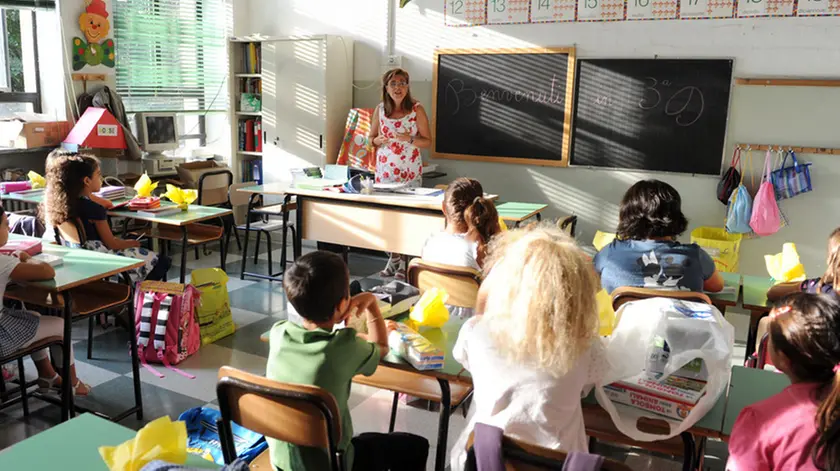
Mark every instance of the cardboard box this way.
pixel 215 188
pixel 673 397
pixel 21 134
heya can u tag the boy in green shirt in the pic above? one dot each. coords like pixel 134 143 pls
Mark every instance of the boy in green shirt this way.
pixel 318 286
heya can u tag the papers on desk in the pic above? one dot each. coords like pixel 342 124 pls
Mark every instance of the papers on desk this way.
pixel 725 290
pixel 50 259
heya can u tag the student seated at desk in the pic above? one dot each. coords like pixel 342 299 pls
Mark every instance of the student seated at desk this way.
pixel 471 221
pixel 646 253
pixel 534 345
pixel 799 428
pixel 72 179
pixel 829 282
pixel 20 328
pixel 317 285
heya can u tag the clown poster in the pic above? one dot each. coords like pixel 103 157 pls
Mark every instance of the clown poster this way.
pixel 94 48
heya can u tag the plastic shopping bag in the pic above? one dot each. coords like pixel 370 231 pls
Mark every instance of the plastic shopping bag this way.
pixel 723 247
pixel 785 266
pixel 606 314
pixel 202 436
pixel 765 219
pixel 215 320
pixel 691 331
pixel 430 310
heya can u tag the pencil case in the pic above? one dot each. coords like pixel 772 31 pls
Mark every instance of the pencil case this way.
pixel 12 187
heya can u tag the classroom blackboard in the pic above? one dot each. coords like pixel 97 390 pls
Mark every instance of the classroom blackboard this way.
pixel 509 105
pixel 652 114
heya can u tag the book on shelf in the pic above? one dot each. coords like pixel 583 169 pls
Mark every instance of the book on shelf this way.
pixel 159 211
pixel 49 259
pixel 258 135
pixel 249 132
pixel 251 58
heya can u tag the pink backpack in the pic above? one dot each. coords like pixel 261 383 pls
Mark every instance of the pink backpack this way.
pixel 765 219
pixel 165 325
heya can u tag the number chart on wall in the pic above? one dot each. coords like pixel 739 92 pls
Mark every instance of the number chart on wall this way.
pixel 481 12
pixel 652 114
pixel 510 105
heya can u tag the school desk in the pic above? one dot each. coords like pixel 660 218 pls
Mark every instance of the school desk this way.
pixel 74 446
pixel 729 296
pixel 748 386
pixel 22 200
pixel 177 227
pixel 80 268
pixel 518 212
pixel 755 300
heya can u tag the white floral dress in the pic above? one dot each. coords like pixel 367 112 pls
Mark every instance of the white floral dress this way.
pixel 398 161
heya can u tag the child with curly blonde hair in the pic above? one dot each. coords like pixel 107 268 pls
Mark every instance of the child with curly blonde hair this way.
pixel 534 345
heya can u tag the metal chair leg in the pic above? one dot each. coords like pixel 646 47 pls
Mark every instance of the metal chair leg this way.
pixel 90 338
pixel 257 248
pixel 24 400
pixel 196 253
pixel 394 405
pixel 268 240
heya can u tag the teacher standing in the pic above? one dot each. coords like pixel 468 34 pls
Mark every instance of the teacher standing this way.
pixel 399 129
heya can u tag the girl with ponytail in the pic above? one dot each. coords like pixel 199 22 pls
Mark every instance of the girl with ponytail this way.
pixel 471 221
pixel 799 428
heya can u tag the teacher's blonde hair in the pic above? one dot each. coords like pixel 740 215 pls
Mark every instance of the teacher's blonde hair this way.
pixel 540 307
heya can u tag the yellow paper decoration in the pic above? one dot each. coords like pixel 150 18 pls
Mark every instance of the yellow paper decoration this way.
pixel 602 239
pixel 145 186
pixel 785 267
pixel 179 196
pixel 430 310
pixel 160 439
pixel 37 180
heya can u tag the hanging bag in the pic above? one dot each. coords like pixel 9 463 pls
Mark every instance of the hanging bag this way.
pixel 730 179
pixel 791 181
pixel 765 219
pixel 739 211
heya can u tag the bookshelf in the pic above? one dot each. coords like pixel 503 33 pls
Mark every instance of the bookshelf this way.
pixel 289 102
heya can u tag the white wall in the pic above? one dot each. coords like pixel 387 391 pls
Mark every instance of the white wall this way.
pixel 801 47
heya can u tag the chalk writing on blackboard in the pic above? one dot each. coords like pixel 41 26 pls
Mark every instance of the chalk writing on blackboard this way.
pixel 456 91
pixel 684 115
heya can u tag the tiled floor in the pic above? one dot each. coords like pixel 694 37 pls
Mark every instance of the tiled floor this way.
pixel 256 305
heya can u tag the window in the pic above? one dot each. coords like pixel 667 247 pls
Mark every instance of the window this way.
pixel 19 86
pixel 172 54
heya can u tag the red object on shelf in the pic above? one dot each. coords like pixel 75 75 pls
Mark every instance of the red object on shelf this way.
pixel 97 129
pixel 249 135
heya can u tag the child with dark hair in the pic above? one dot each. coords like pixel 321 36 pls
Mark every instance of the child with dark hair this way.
pixel 471 221
pixel 646 252
pixel 799 428
pixel 72 180
pixel 316 353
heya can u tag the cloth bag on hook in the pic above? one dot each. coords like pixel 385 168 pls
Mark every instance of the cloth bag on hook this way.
pixel 731 179
pixel 692 331
pixel 739 211
pixel 765 219
pixel 793 180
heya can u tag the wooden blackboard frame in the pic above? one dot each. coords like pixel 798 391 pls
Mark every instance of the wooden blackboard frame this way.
pixel 571 71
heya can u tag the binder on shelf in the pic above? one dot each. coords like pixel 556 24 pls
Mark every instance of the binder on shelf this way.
pixel 249 135
pixel 257 142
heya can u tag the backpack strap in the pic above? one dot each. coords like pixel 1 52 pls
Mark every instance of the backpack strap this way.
pixel 160 322
pixel 179 371
pixel 146 313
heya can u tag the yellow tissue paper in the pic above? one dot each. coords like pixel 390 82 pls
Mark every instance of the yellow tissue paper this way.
pixel 430 310
pixel 602 239
pixel 144 186
pixel 37 180
pixel 181 197
pixel 160 439
pixel 785 266
pixel 606 314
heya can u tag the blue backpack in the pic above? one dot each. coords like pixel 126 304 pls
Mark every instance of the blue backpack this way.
pixel 203 436
pixel 739 210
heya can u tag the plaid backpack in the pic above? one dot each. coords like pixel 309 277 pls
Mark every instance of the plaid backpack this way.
pixel 165 324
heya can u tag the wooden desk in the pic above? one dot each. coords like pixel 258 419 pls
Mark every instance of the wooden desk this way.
pixel 722 300
pixel 182 220
pixel 518 212
pixel 80 267
pixel 755 300
pixel 74 445
pixel 748 386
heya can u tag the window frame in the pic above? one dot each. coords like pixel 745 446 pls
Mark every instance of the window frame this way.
pixel 23 97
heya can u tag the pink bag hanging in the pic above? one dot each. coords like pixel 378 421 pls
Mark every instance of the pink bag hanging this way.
pixel 765 219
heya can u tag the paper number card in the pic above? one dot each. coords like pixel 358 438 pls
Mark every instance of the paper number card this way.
pixel 466 12
pixel 553 10
pixel 707 8
pixel 507 11
pixel 651 9
pixel 818 7
pixel 600 10
pixel 750 8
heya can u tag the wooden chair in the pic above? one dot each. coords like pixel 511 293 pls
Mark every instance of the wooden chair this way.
pixel 213 191
pixel 625 294
pixel 6 398
pixel 568 225
pixel 265 225
pixel 461 283
pixel 522 456
pixel 299 414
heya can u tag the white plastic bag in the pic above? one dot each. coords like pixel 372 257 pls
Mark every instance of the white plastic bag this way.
pixel 692 330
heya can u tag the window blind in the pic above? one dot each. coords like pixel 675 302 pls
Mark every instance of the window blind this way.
pixel 33 4
pixel 172 54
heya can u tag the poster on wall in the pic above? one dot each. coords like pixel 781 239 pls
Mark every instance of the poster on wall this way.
pixel 706 9
pixel 818 7
pixel 651 9
pixel 93 50
pixel 507 11
pixel 544 11
pixel 600 10
pixel 753 8
pixel 465 12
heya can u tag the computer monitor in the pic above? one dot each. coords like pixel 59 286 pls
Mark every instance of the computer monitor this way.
pixel 157 131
